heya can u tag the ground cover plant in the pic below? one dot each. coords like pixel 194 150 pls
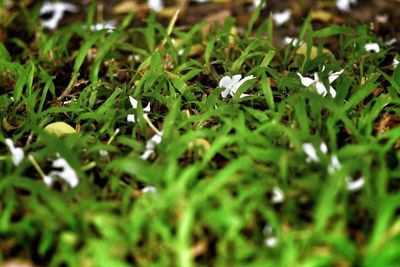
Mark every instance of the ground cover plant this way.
pixel 153 141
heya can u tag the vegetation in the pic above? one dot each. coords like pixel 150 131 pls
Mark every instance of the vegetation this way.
pixel 225 181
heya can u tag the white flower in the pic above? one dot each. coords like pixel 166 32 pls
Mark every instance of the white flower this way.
pixel 134 103
pixel 149 189
pixel 395 63
pixel 344 5
pixel 107 25
pixel 16 152
pixel 294 41
pixel 232 84
pixel 319 85
pixel 372 47
pixel 155 5
pixel 67 173
pixel 57 9
pixel 277 195
pixel 151 146
pixel 270 241
pixel 311 152
pixel 334 165
pixel 354 185
pixel 281 18
pixel 256 3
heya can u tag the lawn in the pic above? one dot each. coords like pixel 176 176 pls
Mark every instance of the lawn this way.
pixel 152 141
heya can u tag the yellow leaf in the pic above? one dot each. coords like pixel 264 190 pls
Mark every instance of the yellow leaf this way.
pixel 302 50
pixel 125 7
pixel 321 15
pixel 59 129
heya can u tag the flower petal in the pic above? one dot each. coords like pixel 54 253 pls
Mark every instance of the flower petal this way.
pixel 16 152
pixel 372 47
pixel 131 118
pixel 332 91
pixel 277 195
pixel 134 102
pixel 354 185
pixel 66 173
pixel 311 153
pixel 305 80
pixel 335 165
pixel 334 76
pixel 281 18
pixel 239 83
pixel 321 89
pixel 147 108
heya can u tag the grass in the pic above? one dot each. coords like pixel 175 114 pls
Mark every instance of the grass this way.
pixel 219 160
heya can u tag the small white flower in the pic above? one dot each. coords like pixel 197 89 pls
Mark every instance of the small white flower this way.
pixel 151 146
pixel 354 185
pixel 256 3
pixel 149 189
pixel 277 195
pixel 67 173
pixel 107 25
pixel 134 103
pixel 16 152
pixel 103 153
pixel 344 5
pixel 372 47
pixel 311 152
pixel 395 63
pixel 294 41
pixel 334 165
pixel 281 18
pixel 232 84
pixel 271 242
pixel 155 5
pixel 58 9
pixel 319 85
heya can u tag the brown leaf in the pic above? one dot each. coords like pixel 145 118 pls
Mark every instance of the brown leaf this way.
pixel 213 20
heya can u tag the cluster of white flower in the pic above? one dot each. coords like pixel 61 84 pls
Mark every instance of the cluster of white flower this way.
pixel 319 85
pixel 334 165
pixel 134 103
pixel 155 139
pixel 57 11
pixel 67 173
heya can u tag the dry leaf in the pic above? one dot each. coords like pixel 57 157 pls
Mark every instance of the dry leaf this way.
pixel 214 19
pixel 302 50
pixel 125 7
pixel 321 15
pixel 168 12
pixel 9 125
pixel 200 144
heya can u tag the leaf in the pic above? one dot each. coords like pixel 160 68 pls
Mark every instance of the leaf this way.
pixel 125 7
pixel 59 129
pixel 321 15
pixel 302 50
